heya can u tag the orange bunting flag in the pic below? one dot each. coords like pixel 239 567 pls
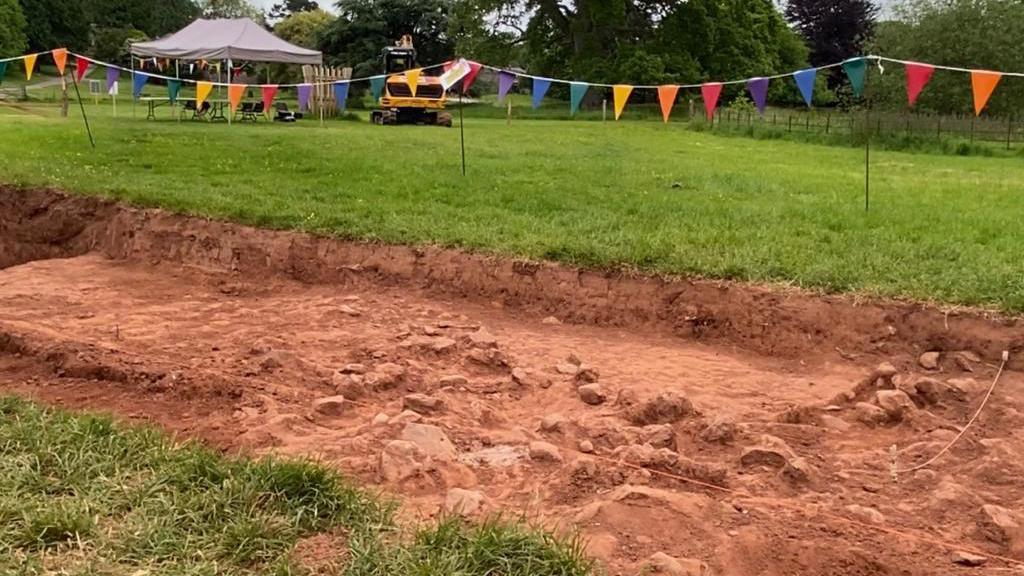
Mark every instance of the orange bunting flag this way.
pixel 202 91
pixel 667 99
pixel 620 94
pixel 235 92
pixel 30 65
pixel 81 65
pixel 983 83
pixel 412 78
pixel 60 58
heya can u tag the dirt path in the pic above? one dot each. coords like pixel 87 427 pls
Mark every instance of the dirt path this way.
pixel 495 399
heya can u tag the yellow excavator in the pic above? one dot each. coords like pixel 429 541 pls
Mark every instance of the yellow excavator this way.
pixel 398 104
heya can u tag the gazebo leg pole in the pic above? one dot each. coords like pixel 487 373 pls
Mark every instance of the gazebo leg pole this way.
pixel 231 112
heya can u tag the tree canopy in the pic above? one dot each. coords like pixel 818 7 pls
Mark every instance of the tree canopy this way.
pixel 282 10
pixel 834 29
pixel 12 29
pixel 304 28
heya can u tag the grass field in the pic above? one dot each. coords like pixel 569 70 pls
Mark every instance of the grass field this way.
pixel 80 495
pixel 640 194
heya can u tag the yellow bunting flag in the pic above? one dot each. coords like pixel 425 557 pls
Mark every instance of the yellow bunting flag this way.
pixel 621 93
pixel 983 83
pixel 202 91
pixel 60 58
pixel 235 92
pixel 30 65
pixel 412 78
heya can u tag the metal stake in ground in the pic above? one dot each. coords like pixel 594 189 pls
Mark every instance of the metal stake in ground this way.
pixel 82 106
pixel 867 143
pixel 462 131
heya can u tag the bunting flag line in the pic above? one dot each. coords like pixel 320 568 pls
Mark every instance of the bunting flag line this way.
pixel 305 91
pixel 983 83
pixel 60 59
pixel 412 79
pixel 3 71
pixel 173 87
pixel 138 81
pixel 710 93
pixel 30 64
pixel 667 99
pixel 856 70
pixel 235 92
pixel 577 90
pixel 112 76
pixel 81 65
pixel 758 88
pixel 918 76
pixel 377 87
pixel 505 82
pixel 203 90
pixel 620 95
pixel 540 88
pixel 805 82
pixel 269 92
pixel 341 95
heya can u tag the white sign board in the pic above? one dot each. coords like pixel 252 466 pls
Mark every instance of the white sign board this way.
pixel 457 72
pixel 113 89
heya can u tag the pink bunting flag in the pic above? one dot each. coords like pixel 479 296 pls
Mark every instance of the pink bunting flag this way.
pixel 710 93
pixel 918 76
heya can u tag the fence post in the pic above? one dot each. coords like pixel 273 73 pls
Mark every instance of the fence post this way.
pixel 938 128
pixel 908 125
pixel 790 123
pixel 972 129
pixel 828 122
pixel 774 118
pixel 1009 130
pixel 807 124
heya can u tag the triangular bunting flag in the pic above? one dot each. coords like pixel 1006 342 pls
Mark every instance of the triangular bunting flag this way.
pixel 138 81
pixel 269 92
pixel 758 88
pixel 3 71
pixel 856 70
pixel 377 87
pixel 173 87
pixel 474 69
pixel 341 94
pixel 983 83
pixel 805 82
pixel 540 88
pixel 112 75
pixel 60 58
pixel 81 65
pixel 305 91
pixel 505 82
pixel 235 92
pixel 667 99
pixel 710 93
pixel 576 92
pixel 202 91
pixel 918 76
pixel 30 65
pixel 620 95
pixel 412 78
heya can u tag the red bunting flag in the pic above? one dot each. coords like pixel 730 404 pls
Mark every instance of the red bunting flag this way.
pixel 710 92
pixel 269 92
pixel 60 58
pixel 81 65
pixel 474 69
pixel 983 83
pixel 667 98
pixel 918 76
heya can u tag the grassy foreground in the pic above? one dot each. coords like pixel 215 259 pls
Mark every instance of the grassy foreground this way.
pixel 80 495
pixel 641 194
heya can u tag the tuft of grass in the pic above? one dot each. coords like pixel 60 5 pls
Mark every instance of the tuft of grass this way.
pixel 80 494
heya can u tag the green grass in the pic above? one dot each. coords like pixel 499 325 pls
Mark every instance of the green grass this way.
pixel 81 495
pixel 639 194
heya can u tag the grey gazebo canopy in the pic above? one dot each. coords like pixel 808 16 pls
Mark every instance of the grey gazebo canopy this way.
pixel 237 39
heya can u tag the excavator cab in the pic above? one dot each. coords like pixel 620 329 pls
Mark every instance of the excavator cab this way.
pixel 400 104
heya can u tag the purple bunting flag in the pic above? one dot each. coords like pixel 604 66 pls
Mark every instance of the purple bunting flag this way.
pixel 505 82
pixel 758 92
pixel 305 91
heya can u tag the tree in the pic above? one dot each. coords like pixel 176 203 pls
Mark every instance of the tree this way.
pixel 232 9
pixel 152 18
pixel 304 28
pixel 55 24
pixel 974 34
pixel 834 29
pixel 282 10
pixel 364 27
pixel 12 29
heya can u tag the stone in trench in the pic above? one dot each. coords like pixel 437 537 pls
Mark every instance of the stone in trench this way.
pixel 483 339
pixel 463 502
pixel 659 436
pixel 586 374
pixel 399 460
pixel 586 446
pixel 453 380
pixel 592 394
pixel 929 360
pixel 665 408
pixel 661 563
pixel 354 368
pixel 968 559
pixel 350 386
pixel 329 407
pixel 1003 526
pixel 553 423
pixel 567 368
pixel 772 452
pixel 721 430
pixel 422 403
pixel 429 439
pixel 866 514
pixel 896 403
pixel 545 452
pixel 869 414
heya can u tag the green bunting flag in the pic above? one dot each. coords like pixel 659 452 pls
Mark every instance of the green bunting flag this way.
pixel 3 71
pixel 856 69
pixel 173 86
pixel 576 92
pixel 377 87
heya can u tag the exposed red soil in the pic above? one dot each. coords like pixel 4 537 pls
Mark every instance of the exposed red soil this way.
pixel 230 334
